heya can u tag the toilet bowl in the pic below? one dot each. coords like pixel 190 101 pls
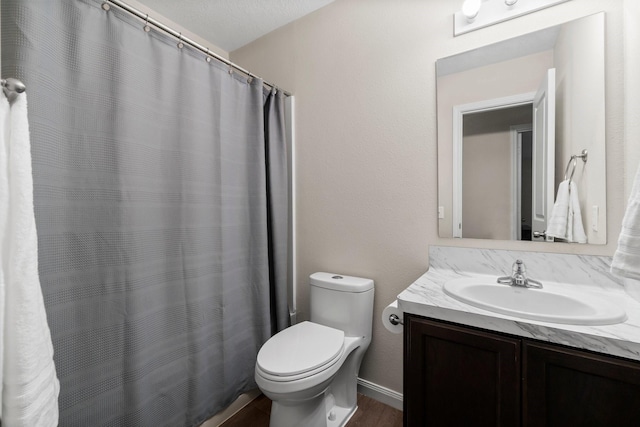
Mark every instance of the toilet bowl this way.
pixel 310 370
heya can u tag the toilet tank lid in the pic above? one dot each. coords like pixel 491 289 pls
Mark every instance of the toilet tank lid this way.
pixel 340 282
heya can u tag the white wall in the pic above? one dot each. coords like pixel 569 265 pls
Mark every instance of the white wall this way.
pixel 632 88
pixel 364 78
pixel 580 94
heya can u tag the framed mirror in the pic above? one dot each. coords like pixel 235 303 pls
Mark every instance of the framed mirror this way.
pixel 514 118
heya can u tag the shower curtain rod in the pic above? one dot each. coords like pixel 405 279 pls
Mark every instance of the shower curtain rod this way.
pixel 149 20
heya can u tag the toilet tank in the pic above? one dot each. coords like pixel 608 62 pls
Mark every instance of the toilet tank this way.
pixel 342 302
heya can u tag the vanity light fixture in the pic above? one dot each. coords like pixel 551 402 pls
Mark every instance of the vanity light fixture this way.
pixel 469 18
pixel 470 9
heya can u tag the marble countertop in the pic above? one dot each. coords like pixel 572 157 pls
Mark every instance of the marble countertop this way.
pixel 426 297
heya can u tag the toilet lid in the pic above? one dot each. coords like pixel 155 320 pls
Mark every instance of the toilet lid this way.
pixel 300 348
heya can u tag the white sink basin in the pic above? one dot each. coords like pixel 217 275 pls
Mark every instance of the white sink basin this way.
pixel 546 305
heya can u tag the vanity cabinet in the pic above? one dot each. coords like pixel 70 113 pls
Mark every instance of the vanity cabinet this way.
pixel 457 376
pixel 461 376
pixel 570 387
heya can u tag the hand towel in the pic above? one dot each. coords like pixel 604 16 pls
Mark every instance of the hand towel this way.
pixel 565 221
pixel 575 228
pixel 30 384
pixel 626 259
pixel 559 219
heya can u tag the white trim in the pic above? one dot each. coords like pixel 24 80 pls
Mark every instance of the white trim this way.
pixel 458 115
pixel 456 209
pixel 290 124
pixel 497 103
pixel 381 394
pixel 516 178
pixel 516 183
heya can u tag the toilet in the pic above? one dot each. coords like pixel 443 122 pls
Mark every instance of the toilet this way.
pixel 310 370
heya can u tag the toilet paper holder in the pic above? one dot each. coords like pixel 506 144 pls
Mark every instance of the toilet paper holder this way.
pixel 395 320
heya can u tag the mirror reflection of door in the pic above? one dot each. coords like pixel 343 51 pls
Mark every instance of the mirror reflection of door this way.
pixel 497 174
pixel 544 145
pixel 507 154
pixel 522 135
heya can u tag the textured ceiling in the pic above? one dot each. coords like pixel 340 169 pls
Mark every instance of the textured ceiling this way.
pixel 231 24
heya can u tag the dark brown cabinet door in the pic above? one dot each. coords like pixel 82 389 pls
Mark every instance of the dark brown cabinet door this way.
pixel 566 387
pixel 457 376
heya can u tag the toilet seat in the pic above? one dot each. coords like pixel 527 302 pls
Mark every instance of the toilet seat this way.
pixel 300 350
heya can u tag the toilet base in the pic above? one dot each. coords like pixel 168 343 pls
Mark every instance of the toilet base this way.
pixel 311 413
pixel 342 416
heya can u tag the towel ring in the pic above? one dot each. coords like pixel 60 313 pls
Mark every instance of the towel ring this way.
pixel 574 160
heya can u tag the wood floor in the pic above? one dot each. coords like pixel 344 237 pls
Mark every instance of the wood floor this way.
pixel 370 413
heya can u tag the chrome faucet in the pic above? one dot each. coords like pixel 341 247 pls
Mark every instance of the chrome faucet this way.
pixel 519 277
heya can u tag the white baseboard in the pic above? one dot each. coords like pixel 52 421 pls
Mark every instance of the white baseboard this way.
pixel 381 394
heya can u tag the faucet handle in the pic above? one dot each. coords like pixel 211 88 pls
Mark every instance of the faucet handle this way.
pixel 518 267
pixel 519 277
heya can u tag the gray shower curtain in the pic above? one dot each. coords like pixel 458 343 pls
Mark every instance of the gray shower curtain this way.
pixel 160 192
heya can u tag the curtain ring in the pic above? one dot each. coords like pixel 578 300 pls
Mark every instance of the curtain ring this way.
pixel 249 78
pixel 146 27
pixel 180 44
pixel 208 58
pixel 106 6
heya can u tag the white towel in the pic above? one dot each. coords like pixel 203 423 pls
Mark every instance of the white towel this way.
pixel 30 385
pixel 566 217
pixel 626 259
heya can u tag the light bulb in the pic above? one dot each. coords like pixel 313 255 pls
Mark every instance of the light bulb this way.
pixel 470 9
